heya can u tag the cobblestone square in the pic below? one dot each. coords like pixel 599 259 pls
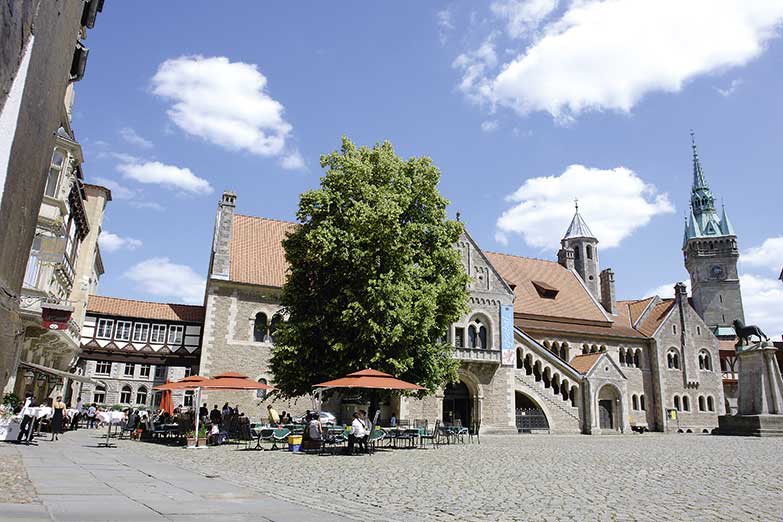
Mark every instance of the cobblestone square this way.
pixel 640 477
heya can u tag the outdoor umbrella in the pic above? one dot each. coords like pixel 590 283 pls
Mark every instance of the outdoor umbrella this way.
pixel 368 379
pixel 166 404
pixel 190 382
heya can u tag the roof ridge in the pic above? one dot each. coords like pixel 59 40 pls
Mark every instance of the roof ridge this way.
pixel 267 219
pixel 522 257
pixel 142 301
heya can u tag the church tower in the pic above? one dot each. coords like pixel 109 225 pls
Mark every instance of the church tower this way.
pixel 711 255
pixel 579 249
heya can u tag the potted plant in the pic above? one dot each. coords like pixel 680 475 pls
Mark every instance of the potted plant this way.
pixel 190 436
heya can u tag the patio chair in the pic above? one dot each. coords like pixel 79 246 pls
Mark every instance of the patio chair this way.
pixel 264 435
pixel 280 435
pixel 475 432
pixel 459 431
pixel 376 436
pixel 433 436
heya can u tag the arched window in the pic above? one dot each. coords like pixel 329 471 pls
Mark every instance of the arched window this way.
pixel 637 358
pixel 629 358
pixel 702 406
pixel 260 327
pixel 710 403
pixel 478 334
pixel 99 394
pixel 641 403
pixel 141 395
pixel 635 400
pixel 261 394
pixel 276 319
pixel 622 357
pixel 686 403
pixel 125 395
pixel 576 252
pixel 677 405
pixel 673 359
pixel 603 349
pixel 585 349
pixel 593 349
pixel 705 361
pixel 589 251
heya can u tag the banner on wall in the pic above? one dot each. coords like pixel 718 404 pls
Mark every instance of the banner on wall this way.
pixel 508 355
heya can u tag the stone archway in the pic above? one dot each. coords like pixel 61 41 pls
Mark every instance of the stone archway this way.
pixel 457 404
pixel 609 409
pixel 530 416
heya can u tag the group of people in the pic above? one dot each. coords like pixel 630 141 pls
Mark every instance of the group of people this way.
pixel 315 433
pixel 61 416
pixel 275 418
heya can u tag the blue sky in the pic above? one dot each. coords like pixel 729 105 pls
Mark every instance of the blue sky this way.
pixel 524 105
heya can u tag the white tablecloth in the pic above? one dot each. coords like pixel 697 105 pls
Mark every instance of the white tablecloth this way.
pixel 111 417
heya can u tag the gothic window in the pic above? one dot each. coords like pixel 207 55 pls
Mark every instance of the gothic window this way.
pixel 629 358
pixel 673 359
pixel 261 394
pixel 472 336
pixel 125 395
pixel 483 336
pixel 260 327
pixel 564 351
pixel 641 402
pixel 705 361
pixel 637 358
pixel 635 400
pixel 276 319
pixel 622 357
pixel 478 335
pixel 141 395
pixel 589 251
pixel 686 403
pixel 585 349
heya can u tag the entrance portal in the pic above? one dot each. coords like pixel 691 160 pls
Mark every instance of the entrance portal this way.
pixel 457 404
pixel 609 414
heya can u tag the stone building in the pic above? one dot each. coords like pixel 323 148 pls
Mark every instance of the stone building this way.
pixel 129 346
pixel 41 54
pixel 63 268
pixel 545 345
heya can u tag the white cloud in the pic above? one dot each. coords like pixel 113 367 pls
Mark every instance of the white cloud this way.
pixel 292 161
pixel 118 191
pixel 132 137
pixel 614 203
pixel 445 24
pixel 523 16
pixel 768 255
pixel 489 126
pixel 110 242
pixel 223 102
pixel 474 66
pixel 762 299
pixel 159 276
pixel 607 55
pixel 731 89
pixel 167 175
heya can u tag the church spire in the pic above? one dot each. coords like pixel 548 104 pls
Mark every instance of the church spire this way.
pixel 698 174
pixel 578 227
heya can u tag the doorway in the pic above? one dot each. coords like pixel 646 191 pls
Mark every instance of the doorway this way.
pixel 609 413
pixel 457 404
pixel 605 417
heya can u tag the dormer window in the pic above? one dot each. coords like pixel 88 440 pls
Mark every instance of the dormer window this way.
pixel 545 290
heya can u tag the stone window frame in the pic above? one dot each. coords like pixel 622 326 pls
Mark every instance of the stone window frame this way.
pixel 705 361
pixel 673 358
pixel 466 323
pixel 122 397
pixel 271 317
pixel 102 363
pixel 131 367
pixel 145 370
pixel 139 391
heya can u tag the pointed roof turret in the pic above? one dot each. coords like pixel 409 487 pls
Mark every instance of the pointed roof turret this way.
pixel 698 174
pixel 726 228
pixel 578 227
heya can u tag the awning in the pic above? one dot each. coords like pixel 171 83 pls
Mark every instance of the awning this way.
pixel 59 373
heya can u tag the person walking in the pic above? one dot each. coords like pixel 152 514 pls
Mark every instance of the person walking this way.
pixel 77 415
pixel 58 417
pixel 28 418
pixel 92 411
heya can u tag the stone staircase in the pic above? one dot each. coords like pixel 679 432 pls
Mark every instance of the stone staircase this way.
pixel 565 418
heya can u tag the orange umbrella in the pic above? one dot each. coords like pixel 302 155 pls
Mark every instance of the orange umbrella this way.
pixel 166 402
pixel 371 379
pixel 232 381
pixel 186 383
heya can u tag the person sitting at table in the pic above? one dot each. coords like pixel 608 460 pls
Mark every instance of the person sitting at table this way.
pixel 358 434
pixel 393 420
pixel 274 417
pixel 283 417
pixel 313 433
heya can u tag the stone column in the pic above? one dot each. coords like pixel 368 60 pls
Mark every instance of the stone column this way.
pixel 760 382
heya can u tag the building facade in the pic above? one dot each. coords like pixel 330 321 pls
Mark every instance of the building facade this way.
pixel 129 346
pixel 544 346
pixel 42 53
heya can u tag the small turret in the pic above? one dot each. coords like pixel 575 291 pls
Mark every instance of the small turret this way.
pixel 583 247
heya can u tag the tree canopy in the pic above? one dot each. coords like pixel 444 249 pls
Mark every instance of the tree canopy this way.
pixel 375 280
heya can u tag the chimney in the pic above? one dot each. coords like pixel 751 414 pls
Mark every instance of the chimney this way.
pixel 565 256
pixel 221 242
pixel 608 298
pixel 680 292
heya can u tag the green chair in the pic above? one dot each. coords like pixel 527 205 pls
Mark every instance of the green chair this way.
pixel 280 435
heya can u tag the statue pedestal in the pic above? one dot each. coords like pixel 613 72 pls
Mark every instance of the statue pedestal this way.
pixel 760 395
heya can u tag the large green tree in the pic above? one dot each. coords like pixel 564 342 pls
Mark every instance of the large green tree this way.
pixel 374 277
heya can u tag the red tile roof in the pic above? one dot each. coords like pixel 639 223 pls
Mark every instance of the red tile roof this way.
pixel 601 330
pixel 656 316
pixel 583 363
pixel 257 254
pixel 144 309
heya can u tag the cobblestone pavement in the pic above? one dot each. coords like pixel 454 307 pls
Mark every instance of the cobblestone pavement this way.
pixel 15 486
pixel 633 477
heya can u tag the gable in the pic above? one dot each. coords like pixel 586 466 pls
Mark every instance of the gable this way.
pixel 484 276
pixel 605 368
